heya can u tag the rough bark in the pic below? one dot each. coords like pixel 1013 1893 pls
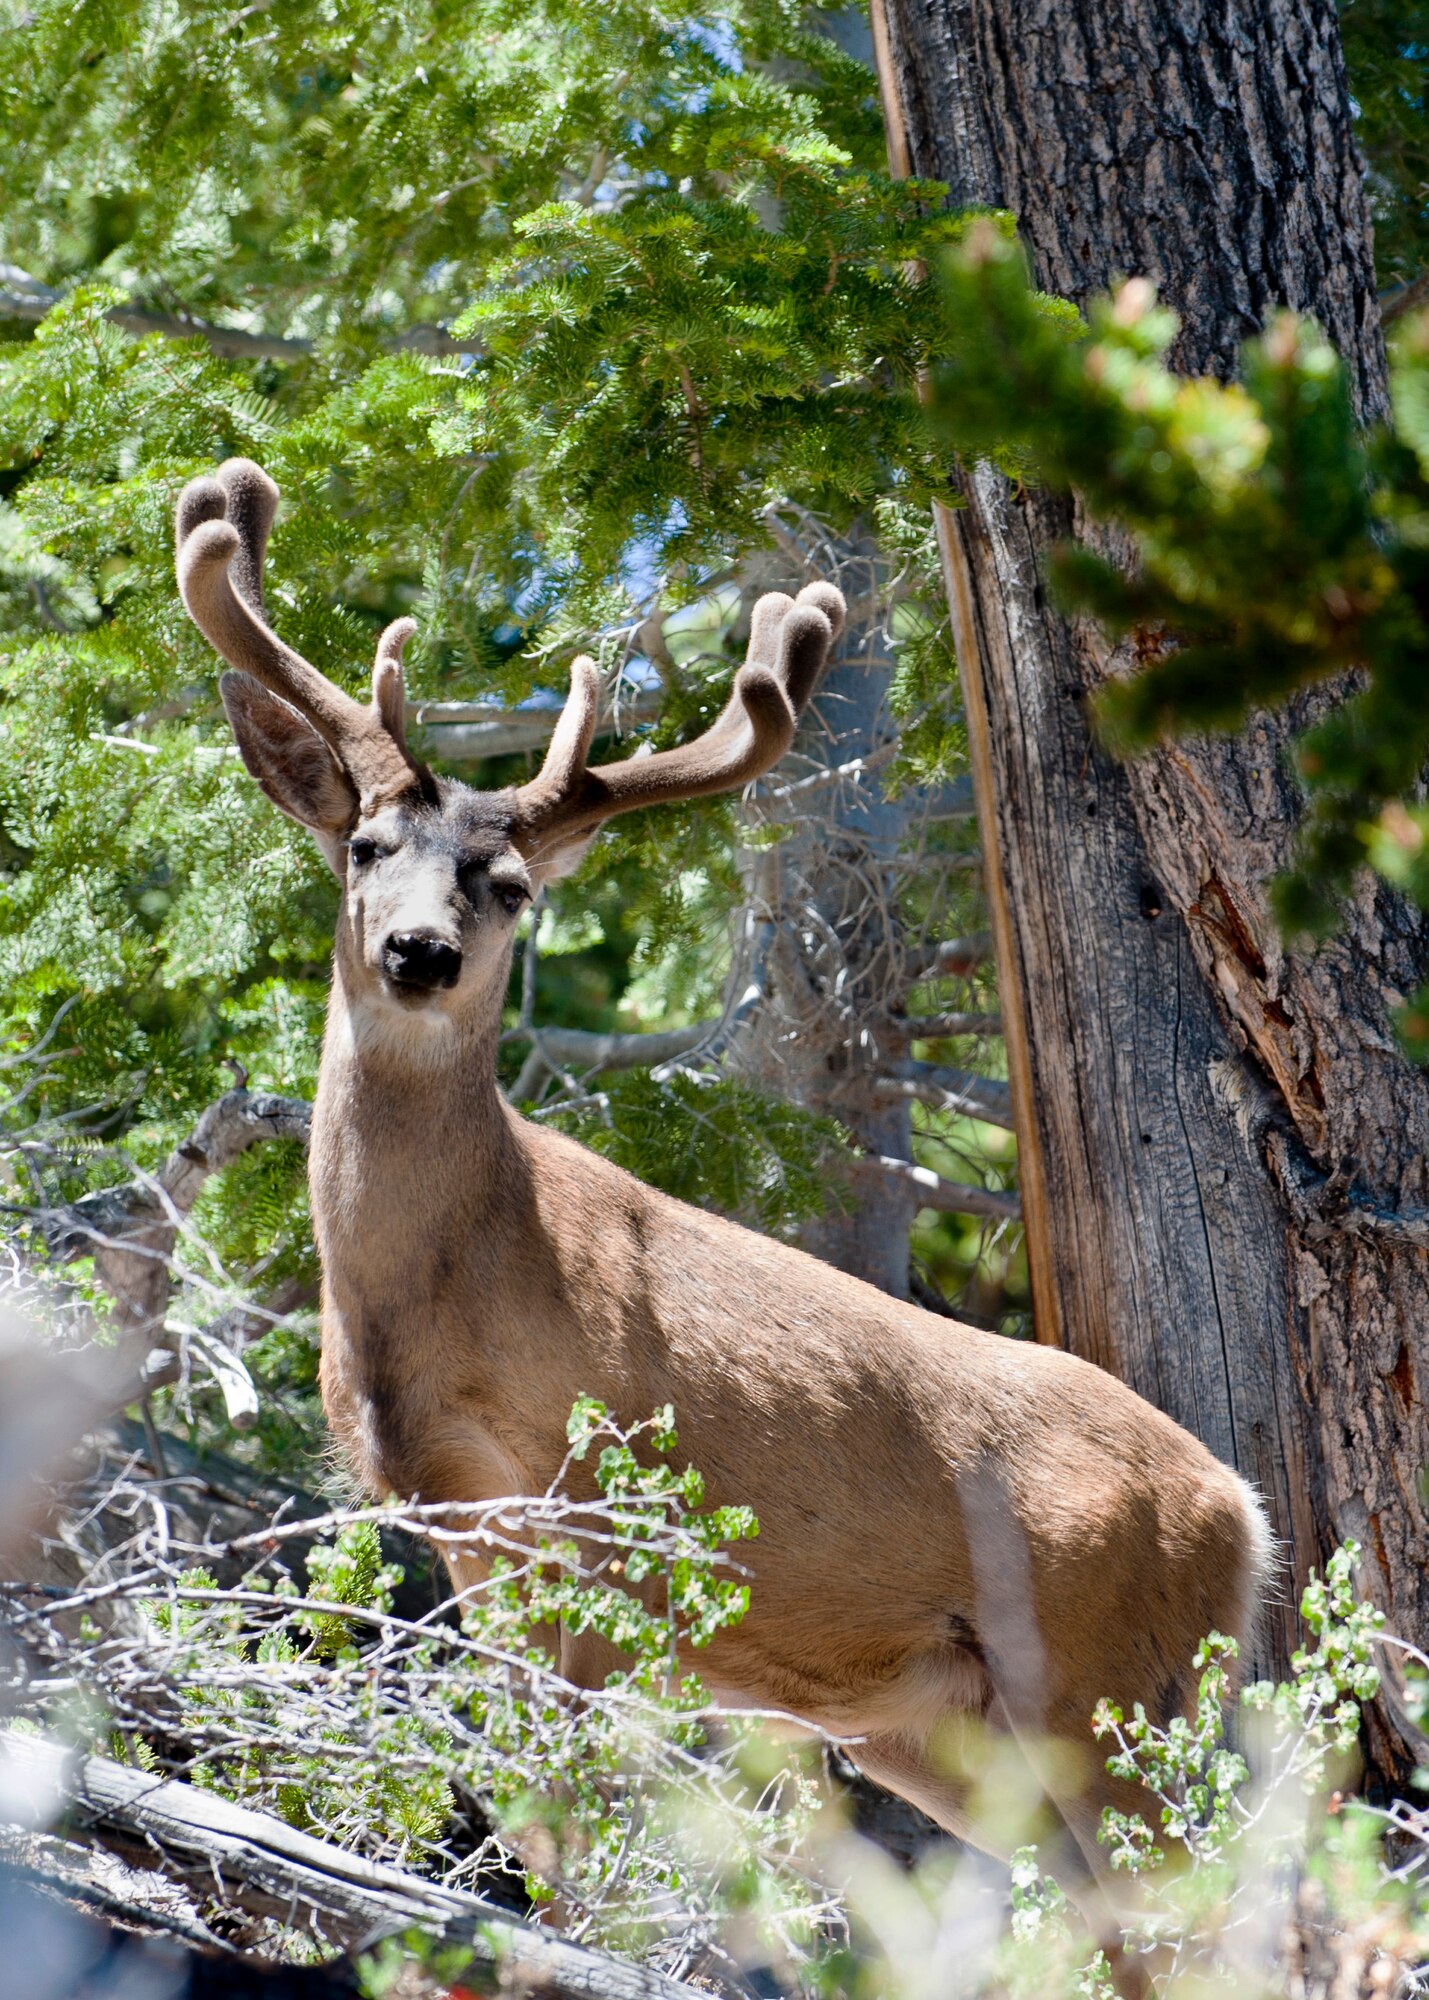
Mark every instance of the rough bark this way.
pixel 1202 1116
pixel 829 892
pixel 266 1867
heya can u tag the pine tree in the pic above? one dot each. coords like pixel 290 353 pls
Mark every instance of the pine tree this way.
pixel 543 320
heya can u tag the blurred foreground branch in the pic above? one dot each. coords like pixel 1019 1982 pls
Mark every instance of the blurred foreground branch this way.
pixel 270 1869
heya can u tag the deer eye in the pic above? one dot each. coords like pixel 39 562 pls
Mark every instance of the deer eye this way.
pixel 362 851
pixel 510 897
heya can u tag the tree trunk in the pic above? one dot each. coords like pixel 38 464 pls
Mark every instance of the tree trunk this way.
pixel 1192 1099
pixel 829 888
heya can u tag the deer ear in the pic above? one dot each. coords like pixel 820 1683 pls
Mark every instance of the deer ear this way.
pixel 559 854
pixel 563 858
pixel 288 757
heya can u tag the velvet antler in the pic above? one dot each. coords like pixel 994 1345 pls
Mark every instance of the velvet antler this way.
pixel 221 528
pixel 789 644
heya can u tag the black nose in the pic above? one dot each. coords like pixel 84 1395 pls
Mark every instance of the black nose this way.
pixel 422 960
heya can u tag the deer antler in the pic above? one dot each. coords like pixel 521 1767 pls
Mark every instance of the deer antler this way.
pixel 789 644
pixel 221 528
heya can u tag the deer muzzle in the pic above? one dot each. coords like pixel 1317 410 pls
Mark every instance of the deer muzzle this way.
pixel 421 962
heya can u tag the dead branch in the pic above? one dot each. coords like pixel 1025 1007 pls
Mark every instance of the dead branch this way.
pixel 466 732
pixel 1406 299
pixel 131 1230
pixel 901 1029
pixel 947 1089
pixel 559 1049
pixel 268 1868
pixel 240 1119
pixel 947 1197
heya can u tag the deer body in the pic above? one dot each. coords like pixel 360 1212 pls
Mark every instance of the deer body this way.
pixel 856 1426
pixel 951 1523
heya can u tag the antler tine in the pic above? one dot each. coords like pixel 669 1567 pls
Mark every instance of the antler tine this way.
pixel 789 644
pixel 572 737
pixel 222 529
pixel 252 505
pixel 389 688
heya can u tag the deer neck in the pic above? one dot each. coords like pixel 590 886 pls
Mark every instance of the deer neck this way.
pixel 414 1158
pixel 410 1132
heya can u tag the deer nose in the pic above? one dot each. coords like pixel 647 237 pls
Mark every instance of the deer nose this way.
pixel 421 959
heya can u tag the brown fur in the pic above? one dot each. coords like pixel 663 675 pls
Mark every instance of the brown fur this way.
pixel 951 1524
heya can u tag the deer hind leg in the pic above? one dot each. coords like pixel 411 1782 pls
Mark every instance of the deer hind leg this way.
pixel 904 1765
pixel 962 1775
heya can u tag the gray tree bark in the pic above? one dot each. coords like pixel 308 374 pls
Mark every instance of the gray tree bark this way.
pixel 1207 1123
pixel 266 1867
pixel 828 890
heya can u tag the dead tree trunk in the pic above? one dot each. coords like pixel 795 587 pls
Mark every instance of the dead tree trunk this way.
pixel 828 887
pixel 1192 1098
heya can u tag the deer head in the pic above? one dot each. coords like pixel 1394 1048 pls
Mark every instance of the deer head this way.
pixel 434 873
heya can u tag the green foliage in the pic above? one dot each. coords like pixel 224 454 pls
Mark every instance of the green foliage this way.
pixel 1229 1833
pixel 1386 45
pixel 323 1706
pixel 661 369
pixel 1186 1764
pixel 689 286
pixel 349 1571
pixel 1246 1865
pixel 721 1143
pixel 1275 547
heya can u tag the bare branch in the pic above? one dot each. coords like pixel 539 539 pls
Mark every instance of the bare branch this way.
pixel 1408 298
pixel 579 1049
pixel 466 732
pixel 954 958
pixel 901 1029
pixel 947 1197
pixel 948 1089
pixel 239 1120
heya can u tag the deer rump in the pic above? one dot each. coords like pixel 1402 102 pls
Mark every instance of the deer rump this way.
pixel 957 1530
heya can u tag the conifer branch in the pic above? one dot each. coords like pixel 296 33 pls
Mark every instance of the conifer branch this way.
pixel 25 298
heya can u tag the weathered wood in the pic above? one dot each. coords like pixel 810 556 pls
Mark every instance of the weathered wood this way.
pixel 1168 1055
pixel 131 1230
pixel 268 1867
pixel 830 889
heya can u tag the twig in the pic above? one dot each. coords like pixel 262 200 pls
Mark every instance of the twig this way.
pixel 1394 305
pixel 901 1029
pixel 954 958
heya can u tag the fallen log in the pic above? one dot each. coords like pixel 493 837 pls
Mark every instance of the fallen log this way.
pixel 263 1866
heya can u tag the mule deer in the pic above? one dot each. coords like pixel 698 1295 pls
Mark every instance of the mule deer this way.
pixel 952 1523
